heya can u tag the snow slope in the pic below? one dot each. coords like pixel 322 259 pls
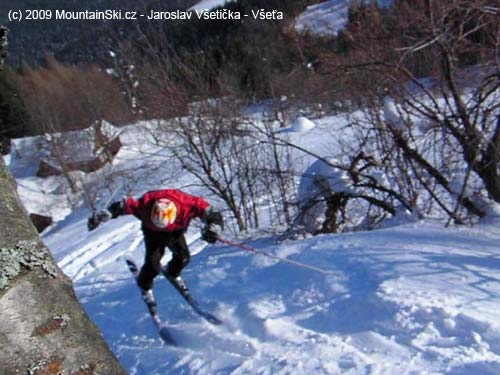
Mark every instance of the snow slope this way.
pixel 409 299
pixel 209 4
pixel 413 299
pixel 327 18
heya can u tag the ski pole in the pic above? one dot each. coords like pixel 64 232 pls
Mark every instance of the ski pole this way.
pixel 256 251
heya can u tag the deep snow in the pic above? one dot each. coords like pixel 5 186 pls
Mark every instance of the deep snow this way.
pixel 412 299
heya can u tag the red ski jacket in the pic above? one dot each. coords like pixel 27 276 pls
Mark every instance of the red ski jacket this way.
pixel 166 210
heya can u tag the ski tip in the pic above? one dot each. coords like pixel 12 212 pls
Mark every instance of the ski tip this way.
pixel 131 265
pixel 213 320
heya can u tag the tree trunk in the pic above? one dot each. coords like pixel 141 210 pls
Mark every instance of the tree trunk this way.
pixel 43 328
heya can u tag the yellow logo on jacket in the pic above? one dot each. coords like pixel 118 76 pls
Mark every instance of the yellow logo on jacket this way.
pixel 164 213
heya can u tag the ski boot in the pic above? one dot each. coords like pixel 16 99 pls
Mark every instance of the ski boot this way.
pixel 177 282
pixel 149 299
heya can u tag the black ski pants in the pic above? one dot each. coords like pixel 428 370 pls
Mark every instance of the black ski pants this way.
pixel 155 249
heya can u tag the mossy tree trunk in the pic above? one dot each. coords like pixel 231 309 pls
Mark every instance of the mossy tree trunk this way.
pixel 43 328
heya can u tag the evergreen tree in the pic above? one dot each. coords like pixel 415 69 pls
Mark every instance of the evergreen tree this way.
pixel 12 113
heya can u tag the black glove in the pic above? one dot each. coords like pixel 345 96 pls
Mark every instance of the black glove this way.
pixel 117 208
pixel 209 235
pixel 214 226
pixel 98 218
pixel 114 210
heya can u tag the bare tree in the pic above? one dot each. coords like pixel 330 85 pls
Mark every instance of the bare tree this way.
pixel 206 147
pixel 432 101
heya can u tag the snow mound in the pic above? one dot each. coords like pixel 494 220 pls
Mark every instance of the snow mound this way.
pixel 318 183
pixel 300 125
pixel 322 178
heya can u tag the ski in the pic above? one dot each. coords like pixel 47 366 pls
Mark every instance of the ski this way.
pixel 150 302
pixel 183 290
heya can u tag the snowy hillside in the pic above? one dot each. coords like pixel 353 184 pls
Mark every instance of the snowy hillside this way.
pixel 411 299
pixel 209 4
pixel 288 137
pixel 327 18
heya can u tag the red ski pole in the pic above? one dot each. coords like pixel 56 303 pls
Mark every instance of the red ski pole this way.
pixel 272 256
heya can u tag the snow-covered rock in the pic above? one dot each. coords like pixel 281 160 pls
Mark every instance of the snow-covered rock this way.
pixel 318 183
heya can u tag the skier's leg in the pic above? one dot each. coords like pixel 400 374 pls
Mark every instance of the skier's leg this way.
pixel 152 265
pixel 180 257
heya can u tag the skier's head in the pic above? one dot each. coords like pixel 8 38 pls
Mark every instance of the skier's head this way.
pixel 163 213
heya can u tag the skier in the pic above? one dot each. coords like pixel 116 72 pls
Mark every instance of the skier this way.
pixel 165 216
